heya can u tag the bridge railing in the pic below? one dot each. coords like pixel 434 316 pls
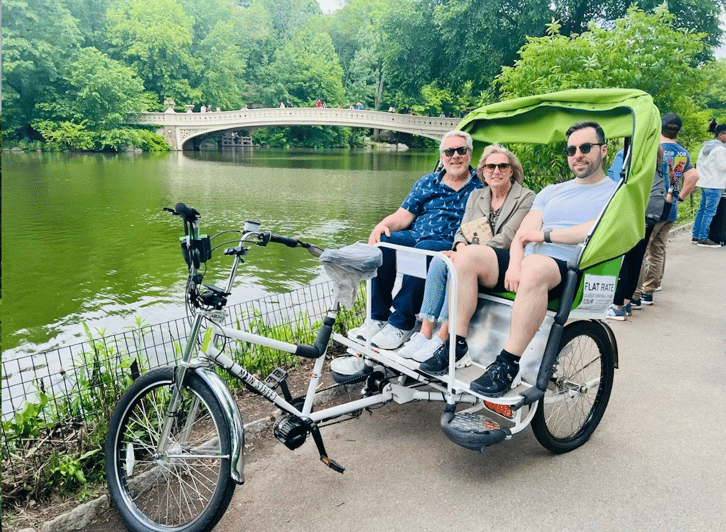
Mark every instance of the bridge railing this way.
pixel 202 123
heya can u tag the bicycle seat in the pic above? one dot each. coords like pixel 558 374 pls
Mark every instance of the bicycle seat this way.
pixel 358 257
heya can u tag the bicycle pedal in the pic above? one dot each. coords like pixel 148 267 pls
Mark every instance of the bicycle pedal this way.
pixel 275 378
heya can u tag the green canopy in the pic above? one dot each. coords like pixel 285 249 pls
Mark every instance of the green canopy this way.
pixel 545 119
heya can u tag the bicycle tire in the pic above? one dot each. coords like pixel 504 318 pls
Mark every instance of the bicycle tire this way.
pixel 171 493
pixel 579 388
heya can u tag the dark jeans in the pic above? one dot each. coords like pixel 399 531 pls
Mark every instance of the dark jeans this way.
pixel 408 299
pixel 630 269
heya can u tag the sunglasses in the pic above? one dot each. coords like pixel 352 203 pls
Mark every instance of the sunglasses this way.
pixel 461 151
pixel 501 166
pixel 570 151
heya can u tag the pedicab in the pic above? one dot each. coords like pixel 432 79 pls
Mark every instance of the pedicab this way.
pixel 567 371
pixel 175 446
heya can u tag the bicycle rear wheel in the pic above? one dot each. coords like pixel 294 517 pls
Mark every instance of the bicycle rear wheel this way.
pixel 188 488
pixel 579 388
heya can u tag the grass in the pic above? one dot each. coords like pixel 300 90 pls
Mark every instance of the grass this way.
pixel 53 447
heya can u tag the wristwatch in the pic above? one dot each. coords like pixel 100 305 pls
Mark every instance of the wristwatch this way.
pixel 547 235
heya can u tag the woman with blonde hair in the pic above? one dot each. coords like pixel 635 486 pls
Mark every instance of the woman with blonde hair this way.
pixel 493 214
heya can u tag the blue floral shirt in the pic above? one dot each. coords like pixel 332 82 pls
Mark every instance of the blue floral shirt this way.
pixel 438 208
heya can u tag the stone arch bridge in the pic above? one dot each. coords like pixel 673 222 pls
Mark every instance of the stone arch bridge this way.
pixel 181 129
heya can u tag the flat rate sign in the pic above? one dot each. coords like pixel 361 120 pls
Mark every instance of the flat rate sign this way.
pixel 598 292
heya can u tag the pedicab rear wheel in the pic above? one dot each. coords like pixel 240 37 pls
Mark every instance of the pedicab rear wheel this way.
pixel 579 388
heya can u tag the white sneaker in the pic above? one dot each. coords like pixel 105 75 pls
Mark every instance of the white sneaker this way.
pixel 428 349
pixel 372 327
pixel 350 366
pixel 390 337
pixel 411 347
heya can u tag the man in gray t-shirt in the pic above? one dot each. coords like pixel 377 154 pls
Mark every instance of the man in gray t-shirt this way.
pixel 536 264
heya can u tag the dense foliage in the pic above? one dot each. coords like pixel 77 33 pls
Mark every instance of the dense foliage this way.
pixel 74 69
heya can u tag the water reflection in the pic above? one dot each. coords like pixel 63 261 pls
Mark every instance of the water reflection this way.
pixel 85 238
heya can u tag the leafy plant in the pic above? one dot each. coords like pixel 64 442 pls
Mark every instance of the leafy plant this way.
pixel 27 424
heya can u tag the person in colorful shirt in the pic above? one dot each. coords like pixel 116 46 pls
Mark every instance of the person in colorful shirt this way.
pixel 682 178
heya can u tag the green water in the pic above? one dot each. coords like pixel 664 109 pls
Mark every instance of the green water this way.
pixel 84 237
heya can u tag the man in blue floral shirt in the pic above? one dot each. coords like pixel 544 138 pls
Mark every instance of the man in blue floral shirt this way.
pixel 427 219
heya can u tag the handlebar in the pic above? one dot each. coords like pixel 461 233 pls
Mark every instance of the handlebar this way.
pixel 197 250
pixel 188 214
pixel 286 240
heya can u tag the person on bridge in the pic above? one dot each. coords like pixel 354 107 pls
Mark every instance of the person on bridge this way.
pixel 536 264
pixel 427 219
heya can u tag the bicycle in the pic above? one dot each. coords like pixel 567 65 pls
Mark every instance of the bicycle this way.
pixel 174 450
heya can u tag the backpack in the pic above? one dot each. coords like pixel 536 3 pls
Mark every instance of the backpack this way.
pixel 655 211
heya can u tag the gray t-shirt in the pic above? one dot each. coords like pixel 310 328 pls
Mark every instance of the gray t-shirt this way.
pixel 566 205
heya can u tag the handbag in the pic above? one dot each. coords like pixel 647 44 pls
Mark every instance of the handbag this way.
pixel 477 231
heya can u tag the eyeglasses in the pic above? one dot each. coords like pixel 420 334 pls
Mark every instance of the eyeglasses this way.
pixel 501 166
pixel 461 151
pixel 570 151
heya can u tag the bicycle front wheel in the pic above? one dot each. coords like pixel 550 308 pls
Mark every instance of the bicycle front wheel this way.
pixel 579 388
pixel 187 487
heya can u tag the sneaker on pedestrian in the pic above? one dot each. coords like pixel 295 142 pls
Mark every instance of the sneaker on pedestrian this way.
pixel 694 240
pixel 646 299
pixel 708 243
pixel 660 287
pixel 413 346
pixel 615 313
pixel 628 309
pixel 390 337
pixel 497 379
pixel 438 364
pixel 349 369
pixel 635 304
pixel 368 330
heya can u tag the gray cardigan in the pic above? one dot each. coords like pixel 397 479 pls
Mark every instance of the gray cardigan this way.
pixel 515 207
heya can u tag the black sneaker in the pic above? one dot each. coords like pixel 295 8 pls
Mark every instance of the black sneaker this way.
pixel 646 299
pixel 497 379
pixel 438 364
pixel 636 304
pixel 708 243
pixel 694 240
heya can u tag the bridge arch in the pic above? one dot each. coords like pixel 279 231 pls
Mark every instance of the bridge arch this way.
pixel 179 128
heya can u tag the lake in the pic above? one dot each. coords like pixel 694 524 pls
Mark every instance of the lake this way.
pixel 85 239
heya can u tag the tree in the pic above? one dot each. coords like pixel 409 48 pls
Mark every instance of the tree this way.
pixel 413 46
pixel 640 51
pixel 155 38
pixel 713 96
pixel 91 17
pixel 365 74
pixel 701 16
pixel 223 78
pixel 96 91
pixel 308 69
pixel 494 31
pixel 38 37
pixel 288 16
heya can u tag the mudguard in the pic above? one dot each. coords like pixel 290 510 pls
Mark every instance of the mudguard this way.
pixel 236 428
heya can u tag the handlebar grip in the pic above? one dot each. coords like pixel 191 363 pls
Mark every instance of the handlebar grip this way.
pixel 187 213
pixel 288 241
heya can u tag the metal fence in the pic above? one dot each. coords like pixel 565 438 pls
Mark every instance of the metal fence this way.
pixel 76 384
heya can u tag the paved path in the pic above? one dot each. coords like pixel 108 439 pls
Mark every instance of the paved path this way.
pixel 656 463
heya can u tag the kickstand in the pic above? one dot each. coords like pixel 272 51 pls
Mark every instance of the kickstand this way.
pixel 318 439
